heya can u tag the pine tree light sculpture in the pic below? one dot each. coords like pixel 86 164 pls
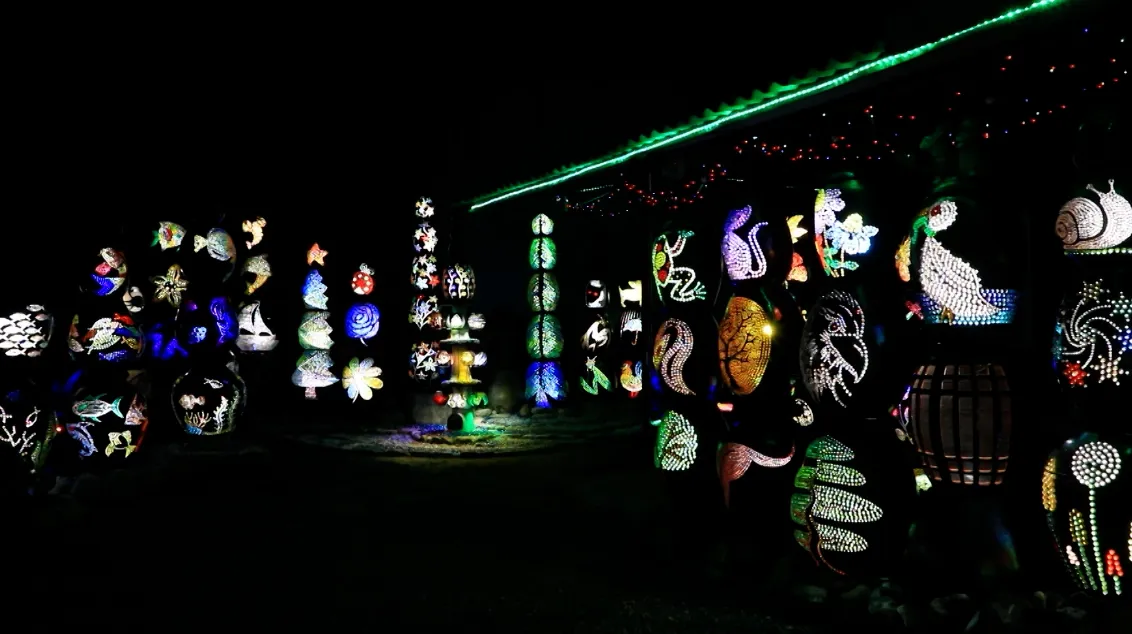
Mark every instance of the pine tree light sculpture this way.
pixel 313 369
pixel 544 334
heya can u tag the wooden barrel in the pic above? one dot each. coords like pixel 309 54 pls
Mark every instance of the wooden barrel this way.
pixel 960 418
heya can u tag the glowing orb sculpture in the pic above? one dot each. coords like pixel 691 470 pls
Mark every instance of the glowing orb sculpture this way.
pixel 744 345
pixel 208 402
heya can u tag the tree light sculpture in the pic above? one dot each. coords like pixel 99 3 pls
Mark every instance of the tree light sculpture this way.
pixel 544 334
pixel 745 335
pixel 825 497
pixel 312 370
pixel 676 443
pixel 1083 536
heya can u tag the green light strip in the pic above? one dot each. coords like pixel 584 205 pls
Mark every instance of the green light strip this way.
pixel 727 116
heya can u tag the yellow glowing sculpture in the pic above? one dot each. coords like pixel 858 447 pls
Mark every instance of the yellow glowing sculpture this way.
pixel 744 345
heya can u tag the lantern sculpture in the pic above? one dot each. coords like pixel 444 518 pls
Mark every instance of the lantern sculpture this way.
pixel 544 334
pixel 834 354
pixel 1085 492
pixel 676 443
pixel 960 419
pixel 827 506
pixel 459 282
pixel 744 345
pixel 424 311
pixel 313 369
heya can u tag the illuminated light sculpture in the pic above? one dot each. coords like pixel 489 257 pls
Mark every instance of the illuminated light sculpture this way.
pixel 745 335
pixel 545 382
pixel 631 325
pixel 424 307
pixel 425 239
pixel 425 208
pixel 259 267
pixel 254 334
pixel 459 282
pixel 1082 225
pixel 542 292
pixel 630 295
pixel 476 321
pixel 735 459
pixel 168 235
pixel 27 429
pixel 423 361
pixel 316 255
pixel 361 378
pixel 208 402
pixel 133 299
pixel 960 419
pixel 102 427
pixel 834 354
pixel 671 350
pixel 362 282
pixel 596 379
pixel 632 377
pixel 312 370
pixel 904 259
pixel 543 254
pixel 462 363
pixel 314 291
pixel 952 290
pixel 362 322
pixel 113 339
pixel 110 274
pixel 224 319
pixel 837 238
pixel 1085 494
pixel 743 257
pixel 1094 336
pixel 596 336
pixel 424 272
pixel 544 337
pixel 169 287
pixel 542 225
pixel 676 443
pixel 26 333
pixel 596 294
pixel 798 272
pixel 254 228
pixel 805 414
pixel 680 281
pixel 314 330
pixel 544 333
pixel 825 497
pixel 219 244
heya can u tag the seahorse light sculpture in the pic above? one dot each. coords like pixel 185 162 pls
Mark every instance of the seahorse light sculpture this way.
pixel 744 257
pixel 1082 225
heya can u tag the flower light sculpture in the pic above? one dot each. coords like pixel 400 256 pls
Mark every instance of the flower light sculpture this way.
pixel 362 322
pixel 836 238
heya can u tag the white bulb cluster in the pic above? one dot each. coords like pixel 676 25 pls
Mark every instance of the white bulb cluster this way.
pixel 1096 464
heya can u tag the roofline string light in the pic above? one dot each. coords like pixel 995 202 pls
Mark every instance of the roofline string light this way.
pixel 692 130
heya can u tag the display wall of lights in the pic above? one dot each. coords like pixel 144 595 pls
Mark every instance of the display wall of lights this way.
pixel 834 355
pixel 672 348
pixel 742 254
pixel 825 497
pixel 745 335
pixel 960 417
pixel 1084 494
pixel 1083 225
pixel 676 443
pixel 679 281
pixel 1094 337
